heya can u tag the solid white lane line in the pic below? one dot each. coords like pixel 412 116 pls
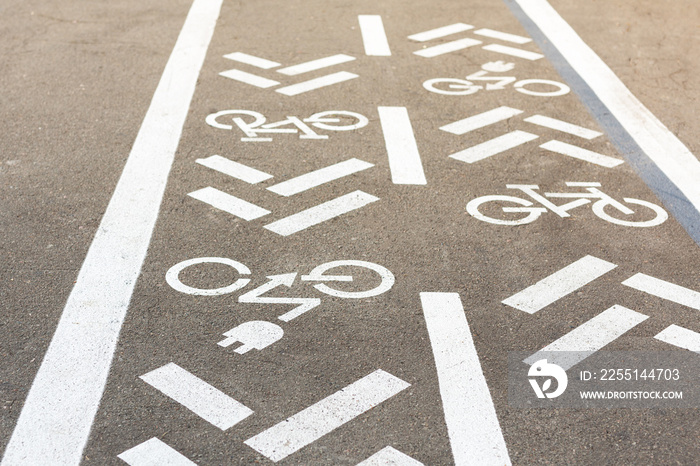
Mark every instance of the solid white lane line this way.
pixel 680 337
pixel 494 146
pixel 318 177
pixel 671 156
pixel 154 452
pixel 317 83
pixel 228 203
pixel 389 456
pixel 258 62
pixel 320 213
pixel 249 78
pixel 401 147
pixel 512 51
pixel 559 284
pixel 581 154
pixel 503 36
pixel 563 126
pixel 193 393
pixel 448 47
pixel 57 415
pixel 316 64
pixel 234 169
pixel 374 36
pixel 321 418
pixel 481 120
pixel 664 289
pixel 589 337
pixel 472 424
pixel 440 32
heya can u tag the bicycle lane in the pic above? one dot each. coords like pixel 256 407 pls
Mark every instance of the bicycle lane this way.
pixel 407 216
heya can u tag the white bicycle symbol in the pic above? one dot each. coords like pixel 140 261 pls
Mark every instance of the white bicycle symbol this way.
pixel 581 198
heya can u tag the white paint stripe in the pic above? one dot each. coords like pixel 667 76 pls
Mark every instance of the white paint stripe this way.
pixel 401 147
pixel 154 452
pixel 664 289
pixel 559 284
pixel 316 64
pixel 440 32
pixel 563 126
pixel 481 120
pixel 249 78
pixel 55 421
pixel 193 393
pixel 680 337
pixel 319 177
pixel 317 83
pixel 228 203
pixel 589 337
pixel 234 169
pixel 442 49
pixel 374 36
pixel 494 146
pixel 512 51
pixel 581 154
pixel 320 213
pixel 661 146
pixel 258 62
pixel 389 456
pixel 472 424
pixel 503 36
pixel 323 417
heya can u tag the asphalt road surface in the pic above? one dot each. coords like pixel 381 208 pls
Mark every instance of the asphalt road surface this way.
pixel 349 232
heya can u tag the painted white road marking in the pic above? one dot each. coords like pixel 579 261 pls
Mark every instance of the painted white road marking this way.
pixel 440 32
pixel 589 337
pixel 481 120
pixel 321 418
pixel 172 276
pixel 249 78
pixel 448 47
pixel 671 156
pixel 234 169
pixel 472 424
pixel 58 413
pixel 317 83
pixel 303 304
pixel 154 452
pixel 193 393
pixel 404 159
pixel 374 36
pixel 513 51
pixel 561 283
pixel 503 36
pixel 680 337
pixel 258 62
pixel 389 456
pixel 256 334
pixel 318 177
pixel 228 203
pixel 563 126
pixel 316 64
pixel 664 290
pixel 494 146
pixel 581 154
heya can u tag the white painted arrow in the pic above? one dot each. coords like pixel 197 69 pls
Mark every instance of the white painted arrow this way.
pixel 255 296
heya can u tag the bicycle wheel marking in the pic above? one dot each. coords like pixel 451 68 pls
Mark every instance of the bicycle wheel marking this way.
pixel 152 452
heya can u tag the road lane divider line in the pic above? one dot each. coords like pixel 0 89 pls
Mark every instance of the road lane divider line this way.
pixel 472 425
pixel 233 169
pixel 323 417
pixel 503 36
pixel 249 78
pixel 193 393
pixel 580 153
pixel 319 177
pixel 401 146
pixel 390 456
pixel 563 126
pixel 251 60
pixel 55 421
pixel 513 51
pixel 494 146
pixel 454 46
pixel 154 452
pixel 229 203
pixel 316 83
pixel 314 65
pixel 481 120
pixel 440 32
pixel 680 337
pixel 589 337
pixel 374 36
pixel 665 290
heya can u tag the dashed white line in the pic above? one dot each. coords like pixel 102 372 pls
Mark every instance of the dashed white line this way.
pixel 317 83
pixel 680 337
pixel 249 78
pixel 481 120
pixel 664 290
pixel 154 452
pixel 563 126
pixel 389 456
pixel 228 203
pixel 437 50
pixel 318 177
pixel 440 32
pixel 404 159
pixel 258 62
pixel 316 64
pixel 494 146
pixel 234 169
pixel 512 51
pixel 503 36
pixel 581 154
pixel 374 36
